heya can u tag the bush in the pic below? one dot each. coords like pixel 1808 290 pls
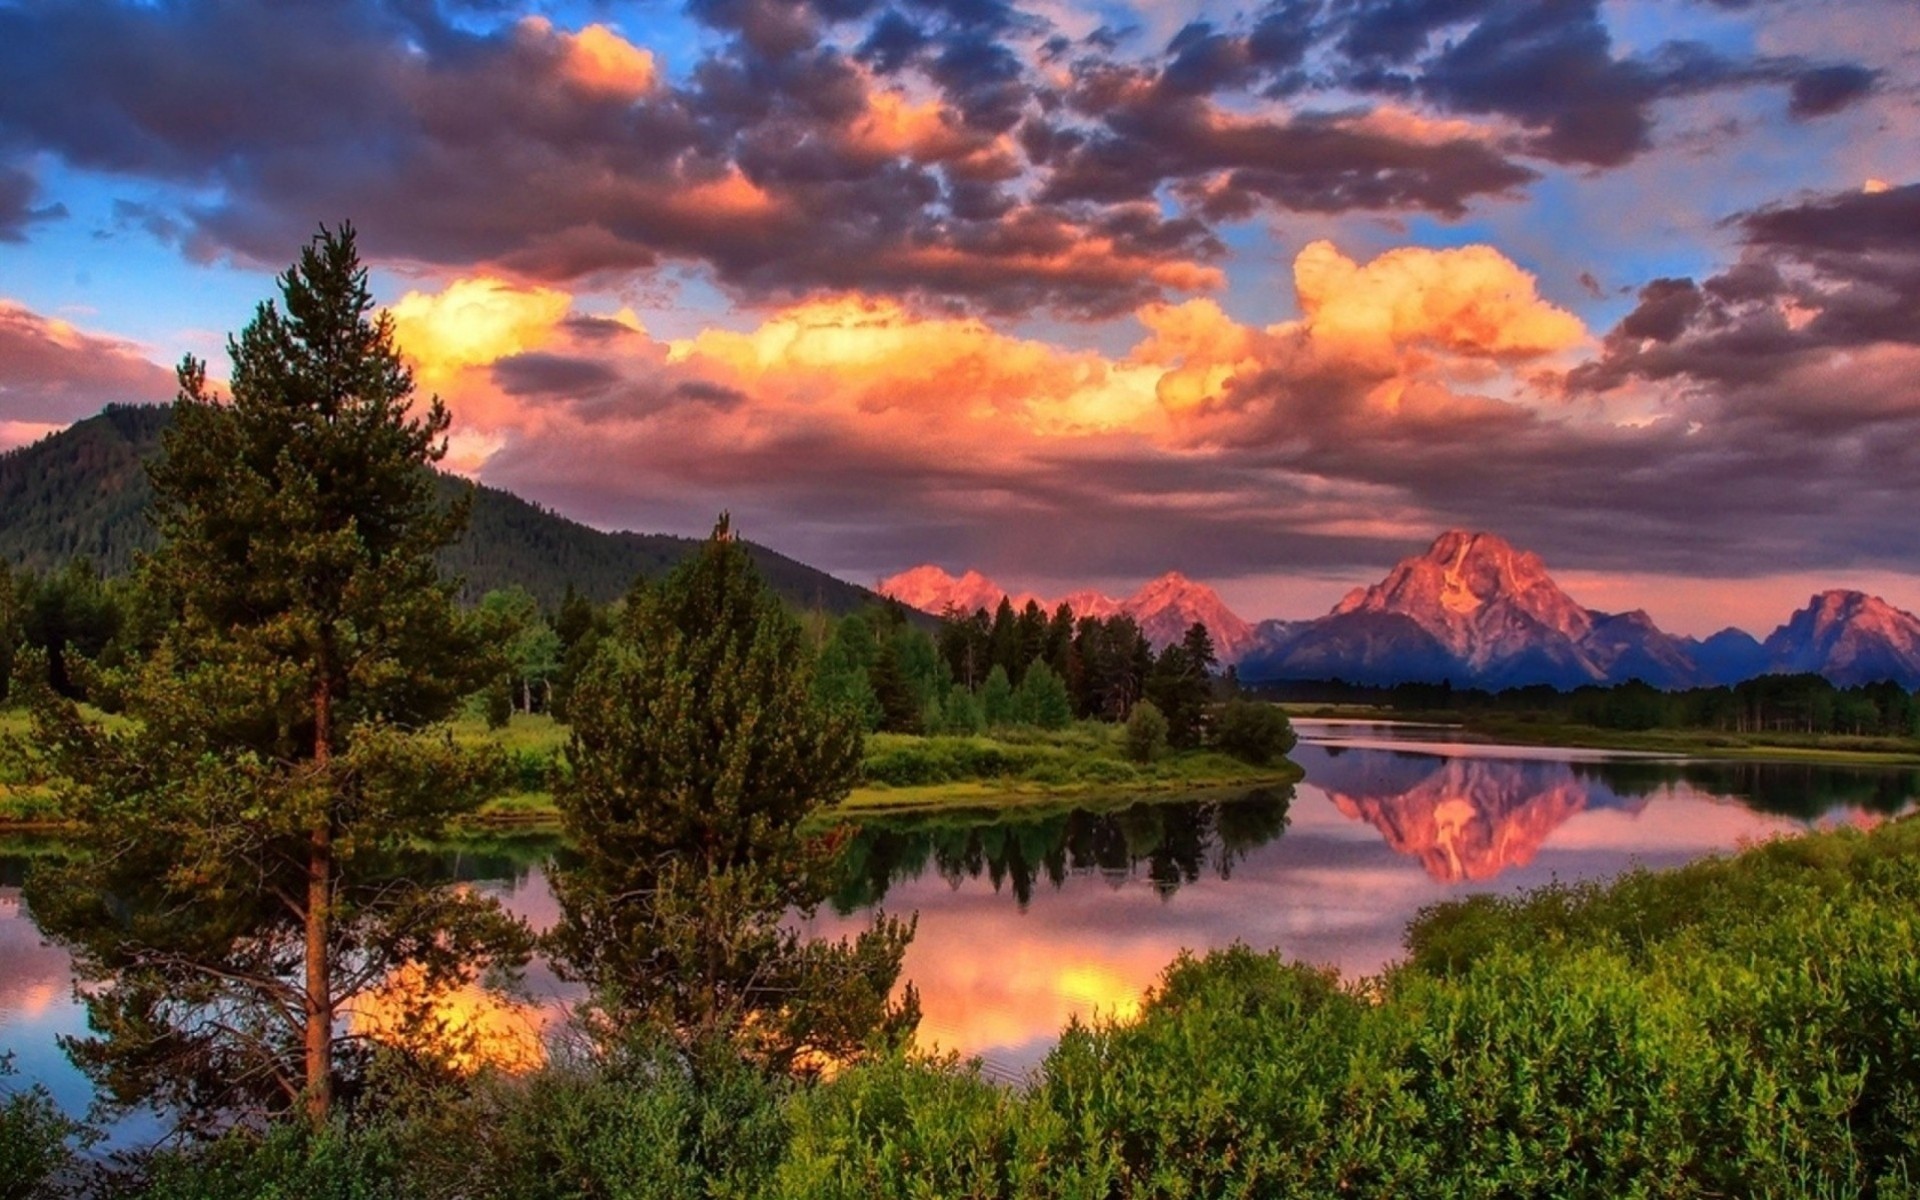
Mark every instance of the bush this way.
pixel 1146 733
pixel 1253 732
pixel 34 1140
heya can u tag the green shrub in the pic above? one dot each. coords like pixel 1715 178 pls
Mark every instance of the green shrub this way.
pixel 1146 733
pixel 1253 732
pixel 36 1141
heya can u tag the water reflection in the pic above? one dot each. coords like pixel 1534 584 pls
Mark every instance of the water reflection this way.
pixel 1032 917
pixel 1166 842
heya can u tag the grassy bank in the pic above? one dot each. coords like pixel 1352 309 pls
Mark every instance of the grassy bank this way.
pixel 1542 730
pixel 904 772
pixel 1741 1026
pixel 1837 749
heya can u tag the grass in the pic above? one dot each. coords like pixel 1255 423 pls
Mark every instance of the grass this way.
pixel 1839 749
pixel 1009 767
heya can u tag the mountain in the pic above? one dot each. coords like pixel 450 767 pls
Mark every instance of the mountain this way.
pixel 1728 657
pixel 1172 604
pixel 1849 637
pixel 932 590
pixel 1473 610
pixel 83 492
pixel 1165 608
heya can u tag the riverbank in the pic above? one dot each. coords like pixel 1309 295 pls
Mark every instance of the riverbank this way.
pixel 1528 730
pixel 904 773
pixel 1010 768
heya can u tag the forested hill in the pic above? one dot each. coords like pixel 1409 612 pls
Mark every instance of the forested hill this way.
pixel 83 493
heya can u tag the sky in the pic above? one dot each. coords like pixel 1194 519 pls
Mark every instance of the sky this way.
pixel 1074 292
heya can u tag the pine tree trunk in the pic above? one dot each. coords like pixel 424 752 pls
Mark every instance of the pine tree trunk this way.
pixel 319 1031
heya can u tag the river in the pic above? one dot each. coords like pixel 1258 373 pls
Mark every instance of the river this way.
pixel 1030 919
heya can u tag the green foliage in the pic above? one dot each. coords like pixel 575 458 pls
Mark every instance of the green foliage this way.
pixel 246 841
pixel 996 698
pixel 1181 688
pixel 962 713
pixel 698 750
pixel 36 1140
pixel 1253 732
pixel 647 1121
pixel 911 1127
pixel 510 621
pixel 1042 700
pixel 1146 733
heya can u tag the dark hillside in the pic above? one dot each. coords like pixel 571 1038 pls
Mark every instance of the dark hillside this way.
pixel 83 493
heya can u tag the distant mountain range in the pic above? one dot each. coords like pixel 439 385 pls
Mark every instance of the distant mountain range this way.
pixel 1165 608
pixel 83 492
pixel 1474 611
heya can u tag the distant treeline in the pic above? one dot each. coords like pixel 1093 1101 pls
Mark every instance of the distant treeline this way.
pixel 1805 703
pixel 1030 667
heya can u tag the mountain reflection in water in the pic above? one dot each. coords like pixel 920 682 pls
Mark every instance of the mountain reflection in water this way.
pixel 1470 818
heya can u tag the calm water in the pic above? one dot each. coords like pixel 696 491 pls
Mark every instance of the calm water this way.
pixel 1031 919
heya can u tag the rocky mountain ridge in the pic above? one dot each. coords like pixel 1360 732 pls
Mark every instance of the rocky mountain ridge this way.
pixel 1475 611
pixel 1165 608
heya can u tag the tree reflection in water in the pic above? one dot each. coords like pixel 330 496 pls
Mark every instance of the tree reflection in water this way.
pixel 1169 842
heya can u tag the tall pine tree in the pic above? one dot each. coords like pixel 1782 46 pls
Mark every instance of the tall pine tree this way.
pixel 250 861
pixel 699 749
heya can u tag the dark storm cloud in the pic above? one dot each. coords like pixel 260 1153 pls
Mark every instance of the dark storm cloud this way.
pixel 459 144
pixel 1552 68
pixel 1226 166
pixel 460 149
pixel 18 190
pixel 536 374
pixel 1825 276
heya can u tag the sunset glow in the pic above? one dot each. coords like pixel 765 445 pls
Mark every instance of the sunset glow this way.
pixel 1180 291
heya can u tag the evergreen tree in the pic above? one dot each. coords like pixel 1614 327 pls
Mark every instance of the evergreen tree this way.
pixel 1042 699
pixel 962 712
pixel 844 678
pixel 247 848
pixel 966 643
pixel 9 630
pixel 996 697
pixel 699 749
pixel 1003 641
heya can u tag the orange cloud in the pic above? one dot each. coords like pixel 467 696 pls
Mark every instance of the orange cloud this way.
pixel 473 323
pixel 871 357
pixel 1395 335
pixel 1471 301
pixel 597 59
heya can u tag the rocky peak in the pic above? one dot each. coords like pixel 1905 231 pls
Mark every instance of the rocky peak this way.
pixel 931 589
pixel 1477 594
pixel 1851 638
pixel 1168 606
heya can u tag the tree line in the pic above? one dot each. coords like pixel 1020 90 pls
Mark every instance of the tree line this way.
pixel 1800 704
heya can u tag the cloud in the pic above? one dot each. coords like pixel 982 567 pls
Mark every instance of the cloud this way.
pixel 1553 70
pixel 17 212
pixel 965 154
pixel 52 373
